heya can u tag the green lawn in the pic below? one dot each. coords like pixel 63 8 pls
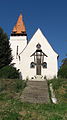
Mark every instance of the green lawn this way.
pixel 11 108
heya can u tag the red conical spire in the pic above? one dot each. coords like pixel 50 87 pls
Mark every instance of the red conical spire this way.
pixel 19 28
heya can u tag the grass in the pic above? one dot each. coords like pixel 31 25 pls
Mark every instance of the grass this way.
pixel 60 89
pixel 16 110
pixel 11 108
pixel 12 85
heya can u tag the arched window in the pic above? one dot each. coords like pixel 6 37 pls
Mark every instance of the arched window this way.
pixel 32 65
pixel 44 65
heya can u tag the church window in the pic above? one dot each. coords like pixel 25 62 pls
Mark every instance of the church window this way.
pixel 32 65
pixel 19 58
pixel 44 65
pixel 17 50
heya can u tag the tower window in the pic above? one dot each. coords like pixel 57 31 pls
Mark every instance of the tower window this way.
pixel 17 50
pixel 32 65
pixel 44 65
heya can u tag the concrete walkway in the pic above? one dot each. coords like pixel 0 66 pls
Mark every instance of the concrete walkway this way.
pixel 36 92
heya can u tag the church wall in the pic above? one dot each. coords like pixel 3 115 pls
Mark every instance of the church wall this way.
pixel 21 42
pixel 25 66
pixel 52 68
pixel 25 56
pixel 51 60
pixel 49 72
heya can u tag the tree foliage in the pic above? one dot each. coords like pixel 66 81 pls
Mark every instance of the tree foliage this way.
pixel 5 50
pixel 63 69
pixel 9 72
pixel 64 62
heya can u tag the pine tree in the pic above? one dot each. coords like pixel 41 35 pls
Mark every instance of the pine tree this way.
pixel 5 50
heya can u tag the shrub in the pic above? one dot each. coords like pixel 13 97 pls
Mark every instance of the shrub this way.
pixel 57 82
pixel 19 85
pixel 60 89
pixel 9 72
pixel 12 85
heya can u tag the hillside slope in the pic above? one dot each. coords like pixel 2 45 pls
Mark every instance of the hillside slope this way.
pixel 11 107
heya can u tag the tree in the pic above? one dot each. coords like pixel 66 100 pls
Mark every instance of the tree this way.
pixel 5 50
pixel 64 61
pixel 63 69
pixel 9 72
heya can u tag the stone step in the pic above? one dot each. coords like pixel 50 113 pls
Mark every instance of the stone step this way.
pixel 37 83
pixel 36 92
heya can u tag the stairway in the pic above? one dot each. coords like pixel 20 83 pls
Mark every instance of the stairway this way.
pixel 38 78
pixel 35 92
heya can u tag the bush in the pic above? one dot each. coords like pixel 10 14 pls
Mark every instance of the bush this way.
pixel 19 85
pixel 12 85
pixel 60 89
pixel 63 71
pixel 57 82
pixel 9 72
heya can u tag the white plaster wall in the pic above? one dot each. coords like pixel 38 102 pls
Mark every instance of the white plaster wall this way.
pixel 21 42
pixel 51 60
pixel 25 67
pixel 52 68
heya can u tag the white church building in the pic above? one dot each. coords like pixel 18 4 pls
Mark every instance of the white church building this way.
pixel 33 58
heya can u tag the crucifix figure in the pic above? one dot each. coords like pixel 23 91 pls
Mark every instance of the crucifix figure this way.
pixel 39 59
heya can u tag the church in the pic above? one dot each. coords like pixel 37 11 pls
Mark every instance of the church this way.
pixel 35 58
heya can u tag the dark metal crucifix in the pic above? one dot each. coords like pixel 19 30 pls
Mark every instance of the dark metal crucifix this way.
pixel 38 58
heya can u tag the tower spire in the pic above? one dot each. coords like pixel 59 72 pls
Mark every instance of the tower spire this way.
pixel 19 28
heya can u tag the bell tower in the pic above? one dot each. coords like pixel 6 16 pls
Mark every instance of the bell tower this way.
pixel 18 38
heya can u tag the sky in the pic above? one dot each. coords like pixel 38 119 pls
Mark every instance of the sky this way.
pixel 48 15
